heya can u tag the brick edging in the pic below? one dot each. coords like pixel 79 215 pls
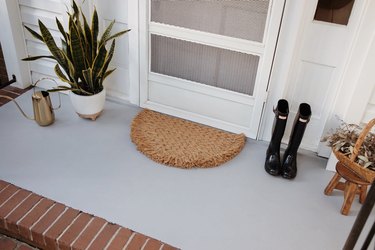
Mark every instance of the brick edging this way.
pixel 47 224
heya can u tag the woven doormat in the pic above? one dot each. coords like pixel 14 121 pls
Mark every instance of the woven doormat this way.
pixel 176 142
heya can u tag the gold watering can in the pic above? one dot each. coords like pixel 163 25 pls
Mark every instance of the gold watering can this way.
pixel 42 106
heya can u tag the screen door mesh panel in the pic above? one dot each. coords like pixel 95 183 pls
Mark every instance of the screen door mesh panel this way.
pixel 244 19
pixel 204 64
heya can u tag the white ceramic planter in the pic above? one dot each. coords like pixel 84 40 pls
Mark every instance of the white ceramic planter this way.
pixel 88 106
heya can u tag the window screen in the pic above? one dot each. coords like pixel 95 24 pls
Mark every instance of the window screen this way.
pixel 204 64
pixel 244 19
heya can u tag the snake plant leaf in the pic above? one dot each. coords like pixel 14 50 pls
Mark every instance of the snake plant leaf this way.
pixel 87 75
pixel 65 88
pixel 51 44
pixel 94 33
pixel 35 34
pixel 107 60
pixel 99 63
pixel 117 35
pixel 70 70
pixel 61 29
pixel 77 51
pixel 64 46
pixel 88 40
pixel 106 33
pixel 32 58
pixel 108 73
pixel 61 75
pixel 75 10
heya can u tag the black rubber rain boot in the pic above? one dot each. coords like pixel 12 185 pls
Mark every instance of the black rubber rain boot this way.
pixel 289 166
pixel 273 164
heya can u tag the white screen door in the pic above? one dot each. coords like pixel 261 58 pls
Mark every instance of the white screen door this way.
pixel 208 61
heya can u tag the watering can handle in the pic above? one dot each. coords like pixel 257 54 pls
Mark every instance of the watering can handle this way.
pixel 18 106
pixel 48 78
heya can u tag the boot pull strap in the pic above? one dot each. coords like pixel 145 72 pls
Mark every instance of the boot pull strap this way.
pixel 304 120
pixel 277 113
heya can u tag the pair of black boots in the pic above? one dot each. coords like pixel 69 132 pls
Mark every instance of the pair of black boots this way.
pixel 288 167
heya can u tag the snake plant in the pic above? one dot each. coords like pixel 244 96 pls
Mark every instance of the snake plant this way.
pixel 83 59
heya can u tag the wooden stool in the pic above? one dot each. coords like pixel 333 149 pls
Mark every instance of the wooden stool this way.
pixel 353 185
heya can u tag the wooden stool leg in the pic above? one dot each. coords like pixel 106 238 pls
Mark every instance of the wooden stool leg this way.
pixel 350 191
pixel 362 193
pixel 332 184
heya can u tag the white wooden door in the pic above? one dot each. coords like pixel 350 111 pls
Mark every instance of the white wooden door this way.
pixel 319 63
pixel 208 61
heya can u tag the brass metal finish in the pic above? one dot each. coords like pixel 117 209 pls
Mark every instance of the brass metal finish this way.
pixel 42 106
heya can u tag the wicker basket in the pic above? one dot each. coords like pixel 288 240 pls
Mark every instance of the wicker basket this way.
pixel 367 174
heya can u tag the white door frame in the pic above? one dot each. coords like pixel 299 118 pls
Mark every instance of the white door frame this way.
pixel 13 43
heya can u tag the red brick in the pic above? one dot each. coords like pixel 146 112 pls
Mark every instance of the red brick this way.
pixel 58 227
pixel 103 238
pixel 168 247
pixel 121 239
pixel 7 192
pixel 7 244
pixel 32 217
pixel 25 247
pixel 8 93
pixel 88 235
pixel 11 204
pixel 137 242
pixel 3 184
pixel 153 244
pixel 74 230
pixel 38 229
pixel 19 212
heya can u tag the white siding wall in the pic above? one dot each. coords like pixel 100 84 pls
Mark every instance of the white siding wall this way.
pixel 47 10
pixel 370 109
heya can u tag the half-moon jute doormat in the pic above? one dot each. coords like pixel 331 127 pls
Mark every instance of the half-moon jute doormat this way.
pixel 176 142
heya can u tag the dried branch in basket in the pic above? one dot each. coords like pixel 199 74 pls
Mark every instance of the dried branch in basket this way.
pixel 343 139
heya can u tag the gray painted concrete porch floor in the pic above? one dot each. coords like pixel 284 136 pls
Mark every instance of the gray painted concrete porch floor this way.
pixel 94 167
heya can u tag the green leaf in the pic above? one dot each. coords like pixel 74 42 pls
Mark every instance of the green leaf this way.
pixel 70 70
pixel 94 33
pixel 106 33
pixel 88 40
pixel 32 58
pixel 34 34
pixel 107 60
pixel 50 42
pixel 108 73
pixel 87 75
pixel 76 49
pixel 117 35
pixel 61 29
pixel 61 75
pixel 98 63
pixel 75 9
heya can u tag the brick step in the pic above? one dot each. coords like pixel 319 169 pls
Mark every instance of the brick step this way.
pixel 7 243
pixel 46 224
